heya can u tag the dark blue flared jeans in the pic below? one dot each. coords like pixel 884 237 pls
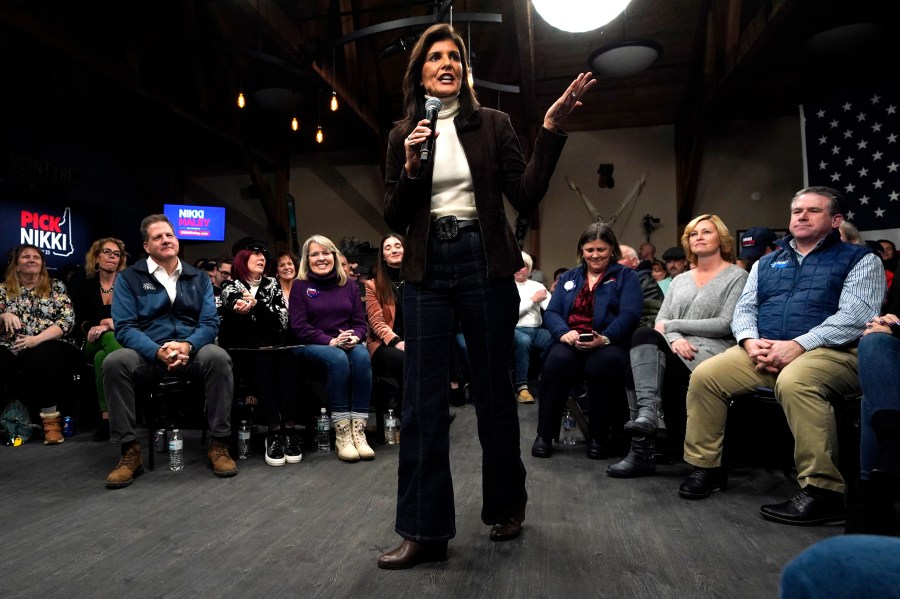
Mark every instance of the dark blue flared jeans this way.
pixel 457 286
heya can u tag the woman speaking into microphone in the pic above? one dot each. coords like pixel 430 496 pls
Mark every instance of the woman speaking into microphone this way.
pixel 459 261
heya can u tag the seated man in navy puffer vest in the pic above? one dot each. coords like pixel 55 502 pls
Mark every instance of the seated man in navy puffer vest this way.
pixel 797 323
pixel 166 320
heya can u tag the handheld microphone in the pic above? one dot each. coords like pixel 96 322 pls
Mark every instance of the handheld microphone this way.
pixel 432 108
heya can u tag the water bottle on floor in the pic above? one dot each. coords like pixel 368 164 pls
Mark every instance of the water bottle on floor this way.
pixel 390 428
pixel 244 441
pixel 176 451
pixel 568 429
pixel 323 428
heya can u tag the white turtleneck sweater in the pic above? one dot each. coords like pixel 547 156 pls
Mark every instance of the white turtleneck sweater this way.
pixel 452 191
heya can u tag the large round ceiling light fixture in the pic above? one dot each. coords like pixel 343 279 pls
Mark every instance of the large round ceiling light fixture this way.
pixel 577 16
pixel 625 58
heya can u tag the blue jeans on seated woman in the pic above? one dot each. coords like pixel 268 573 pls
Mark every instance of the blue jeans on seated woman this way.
pixel 879 377
pixel 349 378
pixel 457 286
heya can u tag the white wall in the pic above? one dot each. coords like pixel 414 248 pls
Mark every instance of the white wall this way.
pixel 337 196
pixel 743 157
pixel 632 152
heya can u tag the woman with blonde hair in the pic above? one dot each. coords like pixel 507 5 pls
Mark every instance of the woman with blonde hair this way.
pixel 104 260
pixel 327 316
pixel 35 315
pixel 693 324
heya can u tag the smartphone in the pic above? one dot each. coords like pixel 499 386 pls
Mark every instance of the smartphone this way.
pixel 586 337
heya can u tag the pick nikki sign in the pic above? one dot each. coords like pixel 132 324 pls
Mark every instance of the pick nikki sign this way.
pixel 48 231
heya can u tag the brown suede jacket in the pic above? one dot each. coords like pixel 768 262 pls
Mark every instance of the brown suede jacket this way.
pixel 495 160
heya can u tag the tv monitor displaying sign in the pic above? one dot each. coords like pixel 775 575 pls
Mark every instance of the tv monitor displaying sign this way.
pixel 199 223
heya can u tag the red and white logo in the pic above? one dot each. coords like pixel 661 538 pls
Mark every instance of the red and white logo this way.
pixel 52 233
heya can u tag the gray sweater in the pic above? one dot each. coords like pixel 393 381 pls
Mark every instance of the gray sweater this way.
pixel 702 315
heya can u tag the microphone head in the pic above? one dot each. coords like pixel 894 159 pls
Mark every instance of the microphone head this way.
pixel 433 104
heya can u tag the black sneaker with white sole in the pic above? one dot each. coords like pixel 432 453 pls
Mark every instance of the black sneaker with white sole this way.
pixel 292 450
pixel 275 449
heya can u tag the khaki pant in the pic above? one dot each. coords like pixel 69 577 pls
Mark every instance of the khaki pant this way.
pixel 802 388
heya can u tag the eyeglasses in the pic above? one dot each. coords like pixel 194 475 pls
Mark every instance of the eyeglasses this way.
pixel 224 274
pixel 109 252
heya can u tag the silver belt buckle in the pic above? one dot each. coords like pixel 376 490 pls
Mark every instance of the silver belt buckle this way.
pixel 446 228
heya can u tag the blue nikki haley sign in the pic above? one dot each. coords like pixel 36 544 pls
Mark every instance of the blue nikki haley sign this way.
pixel 852 143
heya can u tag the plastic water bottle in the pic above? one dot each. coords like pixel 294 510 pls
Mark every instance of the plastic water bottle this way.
pixel 568 429
pixel 323 430
pixel 390 429
pixel 176 451
pixel 244 441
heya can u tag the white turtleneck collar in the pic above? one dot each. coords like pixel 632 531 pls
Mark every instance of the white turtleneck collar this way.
pixel 449 106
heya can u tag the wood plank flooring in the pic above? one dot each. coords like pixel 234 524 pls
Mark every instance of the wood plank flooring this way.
pixel 315 529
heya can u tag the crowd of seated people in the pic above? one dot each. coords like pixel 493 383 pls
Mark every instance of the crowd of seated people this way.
pixel 791 321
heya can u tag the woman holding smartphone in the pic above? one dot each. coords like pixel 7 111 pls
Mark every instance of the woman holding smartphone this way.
pixel 592 314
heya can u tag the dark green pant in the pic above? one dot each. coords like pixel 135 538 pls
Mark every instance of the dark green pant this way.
pixel 97 351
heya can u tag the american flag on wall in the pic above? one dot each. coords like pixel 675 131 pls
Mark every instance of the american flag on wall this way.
pixel 852 143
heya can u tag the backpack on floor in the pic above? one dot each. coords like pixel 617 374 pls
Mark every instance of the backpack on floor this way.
pixel 16 421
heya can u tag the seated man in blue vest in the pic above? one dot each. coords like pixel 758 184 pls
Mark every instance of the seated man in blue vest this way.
pixel 166 319
pixel 797 324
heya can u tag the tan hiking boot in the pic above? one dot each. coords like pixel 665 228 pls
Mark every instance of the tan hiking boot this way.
pixel 52 428
pixel 358 434
pixel 129 466
pixel 343 441
pixel 221 463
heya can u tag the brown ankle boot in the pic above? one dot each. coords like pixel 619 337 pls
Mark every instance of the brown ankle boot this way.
pixel 221 463
pixel 52 428
pixel 129 466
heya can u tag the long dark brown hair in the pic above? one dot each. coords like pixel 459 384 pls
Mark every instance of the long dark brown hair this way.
pixel 414 93
pixel 384 291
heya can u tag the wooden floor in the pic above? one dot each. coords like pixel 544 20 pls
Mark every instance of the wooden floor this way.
pixel 315 529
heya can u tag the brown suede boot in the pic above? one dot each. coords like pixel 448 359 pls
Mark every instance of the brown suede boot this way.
pixel 221 463
pixel 52 428
pixel 129 466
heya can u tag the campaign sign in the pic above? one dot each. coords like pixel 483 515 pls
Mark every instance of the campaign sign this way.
pixel 199 223
pixel 59 231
